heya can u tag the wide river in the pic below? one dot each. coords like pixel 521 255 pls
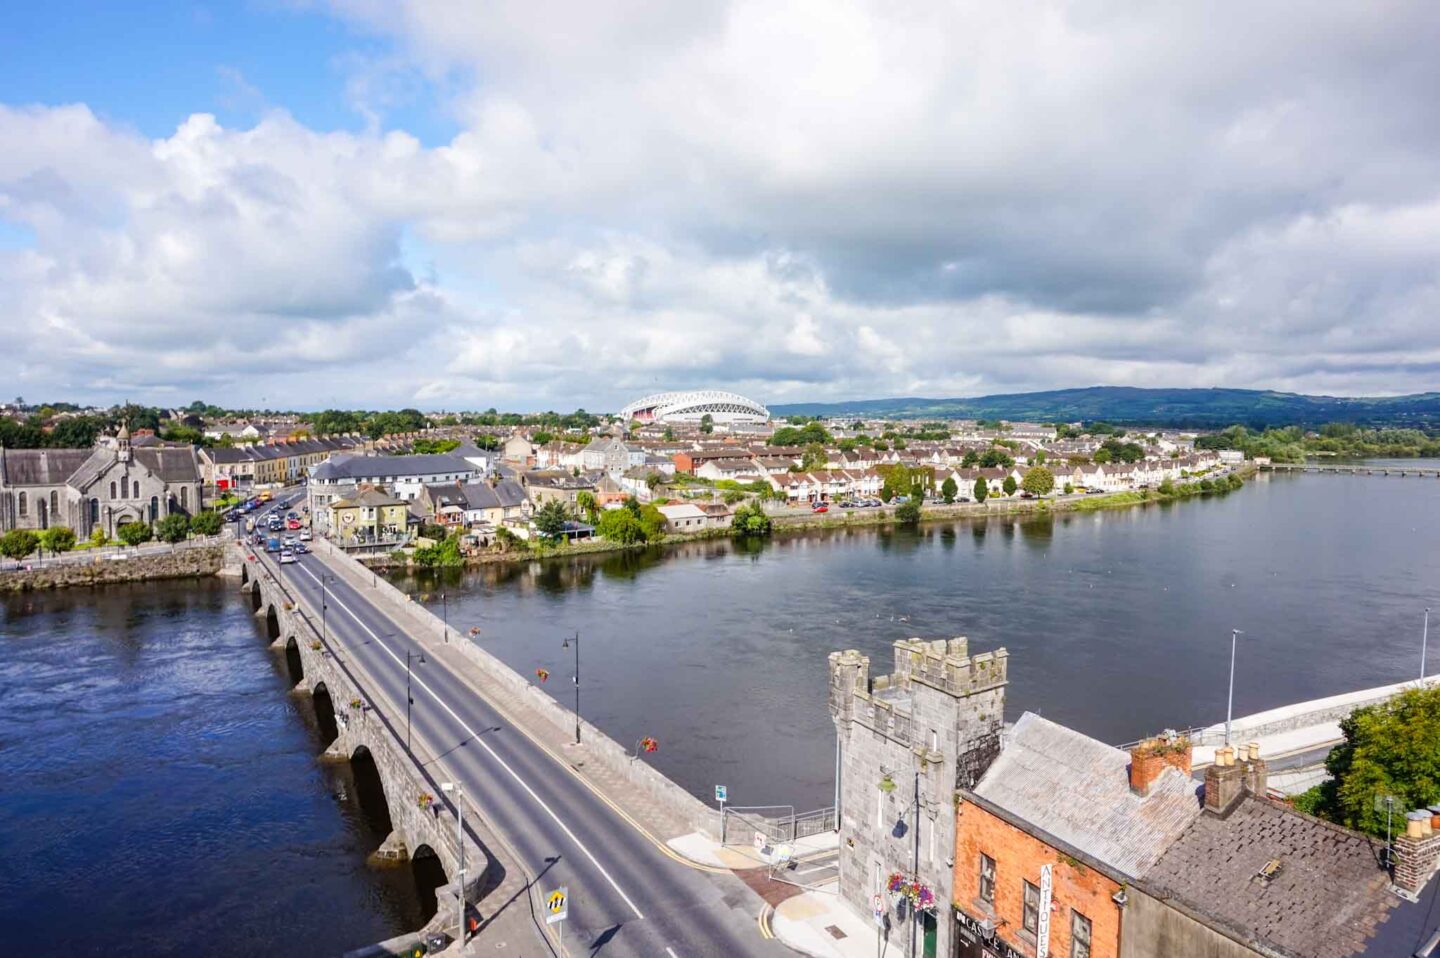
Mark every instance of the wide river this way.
pixel 159 789
pixel 1117 622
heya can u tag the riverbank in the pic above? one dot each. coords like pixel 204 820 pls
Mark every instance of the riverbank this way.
pixel 184 562
pixel 800 524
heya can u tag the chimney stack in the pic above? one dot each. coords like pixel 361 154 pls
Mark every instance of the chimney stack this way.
pixel 1150 759
pixel 1235 771
pixel 1417 853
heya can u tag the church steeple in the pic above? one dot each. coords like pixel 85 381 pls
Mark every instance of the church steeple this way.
pixel 123 443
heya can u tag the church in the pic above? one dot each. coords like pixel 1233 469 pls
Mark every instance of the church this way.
pixel 105 487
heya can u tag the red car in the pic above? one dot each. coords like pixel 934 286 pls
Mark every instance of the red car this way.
pixel 820 507
pixel 292 523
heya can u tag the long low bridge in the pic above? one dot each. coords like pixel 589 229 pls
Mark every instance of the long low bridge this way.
pixel 1353 469
pixel 415 704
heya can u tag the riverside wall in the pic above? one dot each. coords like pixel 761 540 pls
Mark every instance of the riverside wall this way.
pixel 182 563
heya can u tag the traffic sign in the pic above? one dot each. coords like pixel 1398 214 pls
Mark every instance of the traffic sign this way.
pixel 557 905
pixel 721 793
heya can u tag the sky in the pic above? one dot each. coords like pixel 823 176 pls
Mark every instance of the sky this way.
pixel 460 204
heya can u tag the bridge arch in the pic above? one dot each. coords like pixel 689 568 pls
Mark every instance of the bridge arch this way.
pixel 429 874
pixel 370 791
pixel 244 575
pixel 325 723
pixel 293 665
pixel 272 623
pixel 255 599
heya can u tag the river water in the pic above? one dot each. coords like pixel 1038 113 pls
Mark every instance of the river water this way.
pixel 1117 622
pixel 159 789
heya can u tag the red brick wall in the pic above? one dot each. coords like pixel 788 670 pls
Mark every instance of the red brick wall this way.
pixel 1018 857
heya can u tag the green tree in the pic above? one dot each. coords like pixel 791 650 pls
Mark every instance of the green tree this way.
pixel 620 525
pixel 949 489
pixel 800 436
pixel 652 520
pixel 207 523
pixel 1392 748
pixel 18 543
pixel 750 520
pixel 982 489
pixel 1166 488
pixel 991 458
pixel 550 520
pixel 814 457
pixel 669 435
pixel 1102 455
pixel 908 511
pixel 541 438
pixel 707 423
pixel 98 537
pixel 173 528
pixel 1039 481
pixel 58 539
pixel 133 533
pixel 1009 485
pixel 1069 489
pixel 586 503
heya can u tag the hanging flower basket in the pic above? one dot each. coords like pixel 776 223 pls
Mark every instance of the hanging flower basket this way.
pixel 919 894
pixel 887 785
pixel 315 644
pixel 356 704
pixel 425 800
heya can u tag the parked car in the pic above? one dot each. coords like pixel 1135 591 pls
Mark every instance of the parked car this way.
pixel 820 507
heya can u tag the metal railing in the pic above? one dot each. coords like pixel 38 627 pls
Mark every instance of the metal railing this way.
pixel 739 826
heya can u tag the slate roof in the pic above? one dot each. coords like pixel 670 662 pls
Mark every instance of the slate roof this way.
pixel 170 463
pixel 366 497
pixel 1326 900
pixel 340 468
pixel 478 495
pixel 40 467
pixel 1078 790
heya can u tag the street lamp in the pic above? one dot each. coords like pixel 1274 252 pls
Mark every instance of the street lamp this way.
pixel 454 790
pixel 409 699
pixel 444 618
pixel 1424 640
pixel 565 645
pixel 1230 705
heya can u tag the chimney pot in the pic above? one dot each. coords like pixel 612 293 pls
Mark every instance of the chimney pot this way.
pixel 1254 751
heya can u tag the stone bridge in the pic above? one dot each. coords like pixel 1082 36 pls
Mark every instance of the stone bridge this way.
pixel 393 786
pixel 1358 469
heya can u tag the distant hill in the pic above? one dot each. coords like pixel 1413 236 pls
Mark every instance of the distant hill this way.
pixel 1195 408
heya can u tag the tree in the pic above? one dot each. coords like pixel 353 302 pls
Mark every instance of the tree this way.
pixel 586 503
pixel 173 528
pixel 550 520
pixel 97 536
pixel 908 511
pixel 707 423
pixel 982 489
pixel 750 520
pixel 669 435
pixel 652 521
pixel 948 489
pixel 1039 481
pixel 1069 489
pixel 133 533
pixel 814 457
pixel 653 479
pixel 991 458
pixel 58 539
pixel 18 543
pixel 1009 485
pixel 800 436
pixel 620 525
pixel 207 523
pixel 1389 749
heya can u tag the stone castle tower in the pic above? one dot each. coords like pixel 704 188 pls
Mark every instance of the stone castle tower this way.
pixel 928 727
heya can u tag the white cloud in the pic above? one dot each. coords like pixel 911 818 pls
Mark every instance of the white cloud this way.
pixel 797 199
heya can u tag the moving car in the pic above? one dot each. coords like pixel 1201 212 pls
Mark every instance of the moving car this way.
pixel 287 557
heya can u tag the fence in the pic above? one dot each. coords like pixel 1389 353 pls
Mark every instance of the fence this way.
pixel 739 826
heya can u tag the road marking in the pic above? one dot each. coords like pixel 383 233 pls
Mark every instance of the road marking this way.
pixel 482 743
pixel 671 952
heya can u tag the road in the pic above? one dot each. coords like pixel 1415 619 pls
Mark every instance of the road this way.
pixel 627 897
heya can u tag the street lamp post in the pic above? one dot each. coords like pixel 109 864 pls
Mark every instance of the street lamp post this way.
pixel 1230 704
pixel 444 618
pixel 576 644
pixel 409 699
pixel 1424 641
pixel 456 793
pixel 915 918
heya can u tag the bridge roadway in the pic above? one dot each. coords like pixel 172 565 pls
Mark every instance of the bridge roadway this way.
pixel 627 897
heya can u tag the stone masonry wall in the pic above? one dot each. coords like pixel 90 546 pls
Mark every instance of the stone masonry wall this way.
pixel 181 564
pixel 940 707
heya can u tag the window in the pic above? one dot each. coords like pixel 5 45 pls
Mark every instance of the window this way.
pixel 1079 935
pixel 124 487
pixel 22 505
pixel 112 490
pixel 184 498
pixel 987 879
pixel 1030 921
pixel 54 504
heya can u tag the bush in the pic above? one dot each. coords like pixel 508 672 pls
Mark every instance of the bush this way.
pixel 621 526
pixel 206 523
pixel 949 490
pixel 1009 485
pixel 1206 485
pixel 446 553
pixel 1069 489
pixel 908 511
pixel 982 490
pixel 750 520
pixel 173 528
pixel 133 533
pixel 58 539
pixel 1166 488
pixel 98 537
pixel 18 543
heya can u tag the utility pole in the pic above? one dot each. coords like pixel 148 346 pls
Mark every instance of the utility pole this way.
pixel 1230 704
pixel 576 644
